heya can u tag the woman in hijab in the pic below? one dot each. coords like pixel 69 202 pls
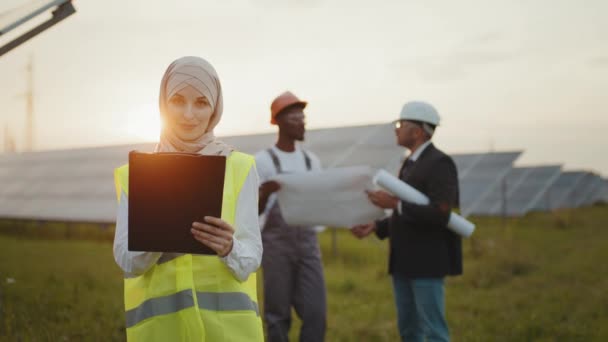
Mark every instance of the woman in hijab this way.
pixel 185 297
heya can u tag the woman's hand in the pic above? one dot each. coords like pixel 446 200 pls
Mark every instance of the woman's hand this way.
pixel 215 233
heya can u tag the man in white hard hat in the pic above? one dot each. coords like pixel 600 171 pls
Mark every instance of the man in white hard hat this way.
pixel 422 250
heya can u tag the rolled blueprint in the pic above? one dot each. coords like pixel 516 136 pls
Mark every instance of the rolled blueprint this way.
pixel 404 191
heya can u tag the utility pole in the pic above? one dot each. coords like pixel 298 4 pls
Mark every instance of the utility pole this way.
pixel 9 142
pixel 6 138
pixel 29 98
pixel 504 201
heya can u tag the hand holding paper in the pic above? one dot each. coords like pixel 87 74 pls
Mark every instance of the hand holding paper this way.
pixel 268 188
pixel 383 199
pixel 363 230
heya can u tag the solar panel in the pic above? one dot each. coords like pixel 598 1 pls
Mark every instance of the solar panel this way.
pixel 531 189
pixel 558 194
pixel 494 203
pixel 585 194
pixel 596 190
pixel 372 145
pixel 481 179
pixel 465 162
pixel 519 192
pixel 602 194
pixel 67 185
pixel 13 10
pixel 575 189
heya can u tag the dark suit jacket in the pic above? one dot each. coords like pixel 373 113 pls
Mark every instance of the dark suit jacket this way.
pixel 420 243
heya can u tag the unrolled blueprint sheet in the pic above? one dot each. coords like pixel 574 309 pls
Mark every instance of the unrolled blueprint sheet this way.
pixel 333 197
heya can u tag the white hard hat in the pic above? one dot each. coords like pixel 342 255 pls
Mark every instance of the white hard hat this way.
pixel 420 111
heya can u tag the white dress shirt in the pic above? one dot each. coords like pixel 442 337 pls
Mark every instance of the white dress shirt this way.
pixel 413 157
pixel 246 254
pixel 416 154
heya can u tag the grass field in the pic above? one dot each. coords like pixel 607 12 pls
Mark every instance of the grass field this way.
pixel 538 278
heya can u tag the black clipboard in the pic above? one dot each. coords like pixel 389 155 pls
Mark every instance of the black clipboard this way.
pixel 169 191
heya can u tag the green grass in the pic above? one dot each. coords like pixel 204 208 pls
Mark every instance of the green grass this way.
pixel 538 278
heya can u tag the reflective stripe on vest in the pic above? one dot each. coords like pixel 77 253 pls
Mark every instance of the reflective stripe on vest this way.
pixel 187 297
pixel 214 301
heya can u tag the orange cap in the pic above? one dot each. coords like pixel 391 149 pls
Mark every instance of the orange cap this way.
pixel 281 102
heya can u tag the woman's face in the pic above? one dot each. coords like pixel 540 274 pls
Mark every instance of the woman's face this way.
pixel 188 114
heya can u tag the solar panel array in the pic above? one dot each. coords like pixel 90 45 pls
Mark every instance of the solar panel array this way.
pixel 580 194
pixel 519 191
pixel 559 193
pixel 602 193
pixel 494 203
pixel 70 185
pixel 595 190
pixel 486 172
pixel 77 185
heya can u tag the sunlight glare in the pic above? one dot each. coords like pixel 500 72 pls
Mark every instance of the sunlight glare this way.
pixel 143 125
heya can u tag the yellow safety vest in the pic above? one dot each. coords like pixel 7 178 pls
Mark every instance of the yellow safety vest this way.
pixel 194 297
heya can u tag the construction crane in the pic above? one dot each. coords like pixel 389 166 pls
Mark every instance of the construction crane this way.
pixel 62 10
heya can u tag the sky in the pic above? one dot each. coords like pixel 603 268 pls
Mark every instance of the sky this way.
pixel 504 75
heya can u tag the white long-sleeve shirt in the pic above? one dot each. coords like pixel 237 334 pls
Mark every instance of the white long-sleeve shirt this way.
pixel 246 254
pixel 291 162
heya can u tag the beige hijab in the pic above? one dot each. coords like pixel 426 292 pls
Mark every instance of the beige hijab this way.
pixel 199 74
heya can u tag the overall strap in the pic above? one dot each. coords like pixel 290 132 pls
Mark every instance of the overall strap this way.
pixel 277 163
pixel 307 160
pixel 275 160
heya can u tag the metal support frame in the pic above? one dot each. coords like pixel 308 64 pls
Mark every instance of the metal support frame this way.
pixel 64 10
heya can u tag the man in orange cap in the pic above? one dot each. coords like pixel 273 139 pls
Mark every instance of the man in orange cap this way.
pixel 292 268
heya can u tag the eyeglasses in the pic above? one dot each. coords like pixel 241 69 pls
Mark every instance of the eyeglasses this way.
pixel 402 123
